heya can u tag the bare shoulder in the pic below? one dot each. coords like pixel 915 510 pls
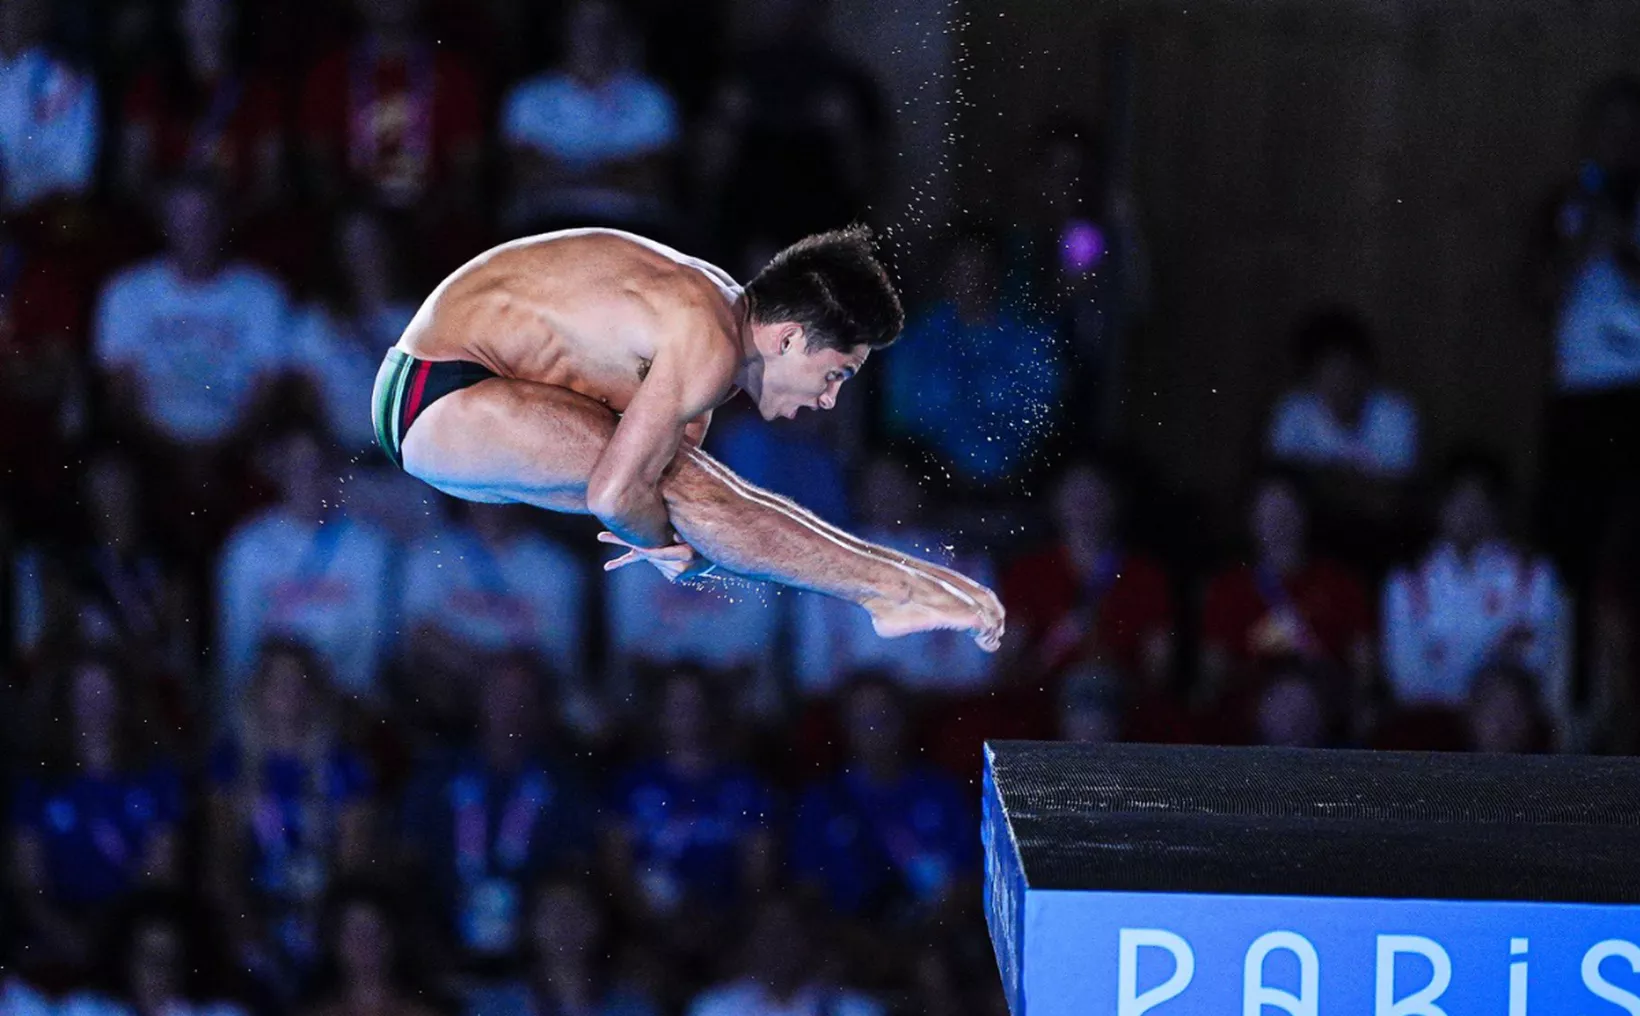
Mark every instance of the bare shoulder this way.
pixel 697 325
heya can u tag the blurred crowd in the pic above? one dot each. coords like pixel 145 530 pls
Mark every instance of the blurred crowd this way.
pixel 287 732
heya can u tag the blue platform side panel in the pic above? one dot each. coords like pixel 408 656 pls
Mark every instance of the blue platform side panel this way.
pixel 1004 891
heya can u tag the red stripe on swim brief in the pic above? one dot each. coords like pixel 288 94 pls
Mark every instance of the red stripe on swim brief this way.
pixel 418 387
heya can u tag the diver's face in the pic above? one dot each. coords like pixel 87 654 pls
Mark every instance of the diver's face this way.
pixel 798 378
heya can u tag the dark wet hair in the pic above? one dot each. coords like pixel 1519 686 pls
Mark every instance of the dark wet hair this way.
pixel 833 285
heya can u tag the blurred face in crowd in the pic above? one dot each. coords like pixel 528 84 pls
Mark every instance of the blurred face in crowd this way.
pixel 1342 381
pixel 875 726
pixel 568 923
pixel 193 229
pixel 283 693
pixel 596 40
pixel 365 256
pixel 889 496
pixel 1500 715
pixel 111 492
pixel 155 972
pixel 1468 515
pixel 364 944
pixel 95 703
pixel 1085 508
pixel 298 461
pixel 1089 709
pixel 1290 714
pixel 206 27
pixel 684 723
pixel 1280 524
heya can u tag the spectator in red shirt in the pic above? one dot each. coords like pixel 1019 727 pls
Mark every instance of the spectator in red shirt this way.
pixel 394 116
pixel 1089 595
pixel 199 107
pixel 1281 604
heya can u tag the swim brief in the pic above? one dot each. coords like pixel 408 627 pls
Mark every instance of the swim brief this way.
pixel 406 386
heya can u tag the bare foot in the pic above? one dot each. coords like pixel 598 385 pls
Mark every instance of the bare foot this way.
pixel 938 604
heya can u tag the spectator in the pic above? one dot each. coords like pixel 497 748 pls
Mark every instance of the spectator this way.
pixel 100 822
pixel 833 638
pixel 364 306
pixel 725 624
pixel 1589 213
pixel 1340 418
pixel 1614 650
pixel 159 963
pixel 1504 713
pixel 393 116
pixel 690 831
pixel 305 569
pixel 200 108
pixel 1091 705
pixel 188 343
pixel 590 141
pixel 1075 261
pixel 793 141
pixel 371 971
pixel 1293 709
pixel 1089 595
pixel 484 825
pixel 1283 605
pixel 493 585
pixel 779 959
pixel 1591 445
pixel 885 836
pixel 973 379
pixel 1476 597
pixel 132 600
pixel 289 808
pixel 49 112
pixel 44 410
pixel 571 968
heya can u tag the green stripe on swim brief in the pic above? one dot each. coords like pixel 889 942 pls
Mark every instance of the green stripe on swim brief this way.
pixel 388 398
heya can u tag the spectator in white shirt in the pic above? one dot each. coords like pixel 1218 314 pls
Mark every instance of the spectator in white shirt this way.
pixel 188 343
pixel 48 112
pixel 1476 598
pixel 1597 337
pixel 779 980
pixel 590 140
pixel 339 339
pixel 489 584
pixel 1340 417
pixel 831 642
pixel 307 570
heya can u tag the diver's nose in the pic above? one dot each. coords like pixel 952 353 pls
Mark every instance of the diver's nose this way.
pixel 828 400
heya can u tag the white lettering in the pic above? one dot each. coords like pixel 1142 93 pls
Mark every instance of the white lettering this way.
pixel 1255 994
pixel 1128 1001
pixel 1421 1003
pixel 1603 988
pixel 1517 978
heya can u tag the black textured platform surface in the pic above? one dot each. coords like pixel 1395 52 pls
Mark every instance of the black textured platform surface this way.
pixel 1322 823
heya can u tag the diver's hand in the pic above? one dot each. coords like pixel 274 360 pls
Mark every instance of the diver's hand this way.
pixel 677 561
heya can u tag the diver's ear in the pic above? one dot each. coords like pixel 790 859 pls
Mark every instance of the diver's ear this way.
pixel 789 337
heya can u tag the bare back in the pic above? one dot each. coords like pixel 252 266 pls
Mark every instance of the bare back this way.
pixel 583 309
